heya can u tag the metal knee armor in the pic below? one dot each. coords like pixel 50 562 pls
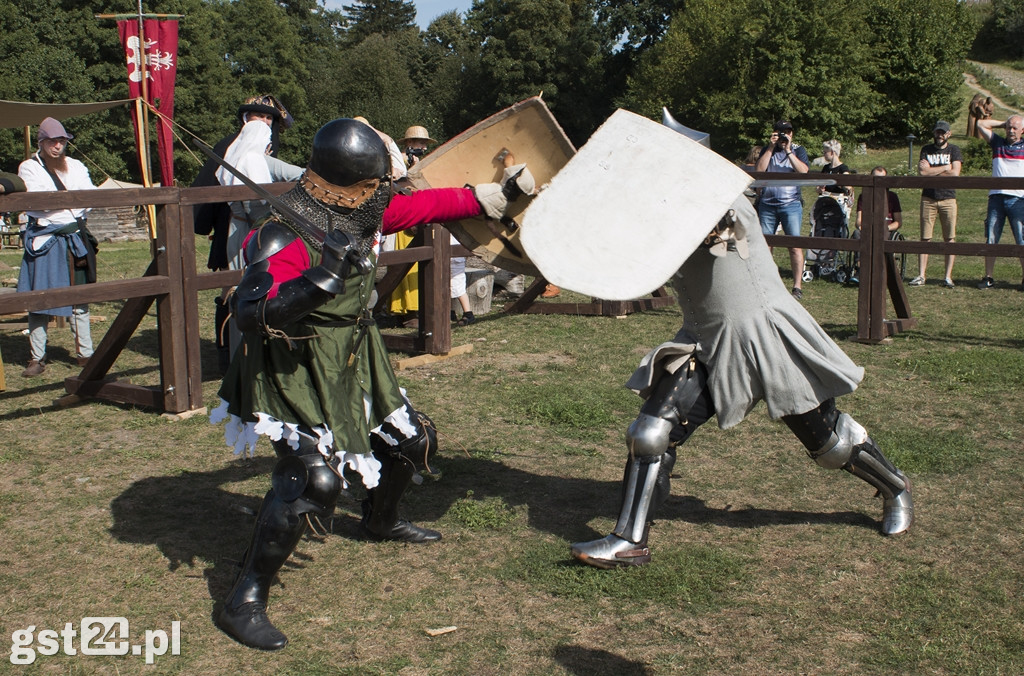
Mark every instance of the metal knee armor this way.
pixel 834 440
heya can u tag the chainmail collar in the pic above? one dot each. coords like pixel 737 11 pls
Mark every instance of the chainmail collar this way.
pixel 363 224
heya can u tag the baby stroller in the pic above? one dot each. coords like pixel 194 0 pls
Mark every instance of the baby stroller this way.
pixel 828 219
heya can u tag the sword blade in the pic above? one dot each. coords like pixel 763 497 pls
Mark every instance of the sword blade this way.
pixel 778 183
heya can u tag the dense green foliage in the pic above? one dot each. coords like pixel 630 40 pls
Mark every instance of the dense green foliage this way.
pixel 852 69
pixel 849 69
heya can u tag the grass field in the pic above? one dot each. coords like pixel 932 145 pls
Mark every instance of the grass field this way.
pixel 763 563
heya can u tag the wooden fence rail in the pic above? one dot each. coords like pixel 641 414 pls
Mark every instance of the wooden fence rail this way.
pixel 173 281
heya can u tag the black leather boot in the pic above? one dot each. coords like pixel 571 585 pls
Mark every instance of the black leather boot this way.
pixel 380 509
pixel 244 616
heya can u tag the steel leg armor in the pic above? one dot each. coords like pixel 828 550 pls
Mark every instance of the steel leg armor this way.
pixel 302 483
pixel 679 405
pixel 399 465
pixel 834 440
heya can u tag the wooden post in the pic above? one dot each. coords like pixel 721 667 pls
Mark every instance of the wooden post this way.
pixel 435 290
pixel 190 295
pixel 170 308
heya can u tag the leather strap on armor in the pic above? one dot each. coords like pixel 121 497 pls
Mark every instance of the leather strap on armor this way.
pixel 347 196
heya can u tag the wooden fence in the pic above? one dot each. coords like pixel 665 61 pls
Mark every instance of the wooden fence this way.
pixel 173 281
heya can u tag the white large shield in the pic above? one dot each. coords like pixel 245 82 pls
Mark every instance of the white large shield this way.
pixel 628 209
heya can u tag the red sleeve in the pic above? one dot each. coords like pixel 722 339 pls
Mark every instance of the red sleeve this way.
pixel 286 264
pixel 436 205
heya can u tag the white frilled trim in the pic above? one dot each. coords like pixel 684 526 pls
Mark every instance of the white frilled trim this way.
pixel 399 419
pixel 242 438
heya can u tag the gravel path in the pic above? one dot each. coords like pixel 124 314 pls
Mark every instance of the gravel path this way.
pixel 1012 79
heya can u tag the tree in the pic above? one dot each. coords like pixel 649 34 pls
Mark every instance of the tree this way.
pixel 732 68
pixel 56 52
pixel 448 53
pixel 369 17
pixel 1009 19
pixel 529 47
pixel 371 83
pixel 845 69
pixel 919 48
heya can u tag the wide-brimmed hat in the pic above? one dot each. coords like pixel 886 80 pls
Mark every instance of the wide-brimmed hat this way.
pixel 268 105
pixel 416 133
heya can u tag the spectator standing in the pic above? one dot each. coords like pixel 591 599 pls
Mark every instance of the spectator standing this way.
pixel 783 205
pixel 940 158
pixel 893 212
pixel 405 299
pixel 830 151
pixel 250 154
pixel 1003 204
pixel 458 288
pixel 217 219
pixel 59 249
pixel 415 144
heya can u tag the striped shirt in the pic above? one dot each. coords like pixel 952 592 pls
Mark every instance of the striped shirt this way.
pixel 1007 160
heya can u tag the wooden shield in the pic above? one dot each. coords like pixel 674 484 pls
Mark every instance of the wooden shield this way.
pixel 529 131
pixel 628 209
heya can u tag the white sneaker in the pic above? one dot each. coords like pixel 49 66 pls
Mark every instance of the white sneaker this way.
pixel 916 281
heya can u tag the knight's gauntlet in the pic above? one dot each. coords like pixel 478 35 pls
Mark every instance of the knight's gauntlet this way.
pixel 494 198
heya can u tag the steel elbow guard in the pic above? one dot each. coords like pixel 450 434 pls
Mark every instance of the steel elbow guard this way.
pixel 648 436
pixel 295 299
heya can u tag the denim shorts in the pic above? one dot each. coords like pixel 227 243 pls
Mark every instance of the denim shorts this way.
pixel 789 216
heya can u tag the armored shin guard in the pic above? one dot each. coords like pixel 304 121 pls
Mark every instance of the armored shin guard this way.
pixel 871 465
pixel 302 484
pixel 399 466
pixel 836 441
pixel 679 405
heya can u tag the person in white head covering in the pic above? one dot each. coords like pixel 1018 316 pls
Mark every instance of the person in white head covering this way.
pixel 250 154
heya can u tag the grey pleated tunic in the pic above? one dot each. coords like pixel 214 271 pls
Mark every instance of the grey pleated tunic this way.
pixel 757 341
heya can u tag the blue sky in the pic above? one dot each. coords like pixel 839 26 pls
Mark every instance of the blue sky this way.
pixel 426 10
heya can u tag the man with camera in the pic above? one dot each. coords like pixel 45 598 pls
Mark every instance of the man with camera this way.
pixel 783 205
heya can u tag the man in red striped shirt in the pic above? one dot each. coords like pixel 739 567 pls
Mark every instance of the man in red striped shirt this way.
pixel 1004 204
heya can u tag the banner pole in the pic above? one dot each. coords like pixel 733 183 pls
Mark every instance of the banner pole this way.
pixel 144 120
pixel 143 151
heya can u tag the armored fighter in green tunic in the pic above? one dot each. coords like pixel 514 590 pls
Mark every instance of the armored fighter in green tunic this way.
pixel 312 373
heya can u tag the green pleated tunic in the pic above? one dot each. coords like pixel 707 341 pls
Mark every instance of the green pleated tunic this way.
pixel 308 379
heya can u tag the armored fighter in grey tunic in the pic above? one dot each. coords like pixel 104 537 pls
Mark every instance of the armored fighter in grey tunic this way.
pixel 756 340
pixel 744 339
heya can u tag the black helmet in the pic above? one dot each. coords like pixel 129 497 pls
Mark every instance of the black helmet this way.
pixel 346 151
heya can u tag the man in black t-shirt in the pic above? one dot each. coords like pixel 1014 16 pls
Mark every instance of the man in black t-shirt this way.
pixel 940 158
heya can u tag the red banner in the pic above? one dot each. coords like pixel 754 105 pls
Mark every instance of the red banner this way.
pixel 157 59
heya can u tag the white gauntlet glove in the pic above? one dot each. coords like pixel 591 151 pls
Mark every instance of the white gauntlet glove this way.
pixel 494 197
